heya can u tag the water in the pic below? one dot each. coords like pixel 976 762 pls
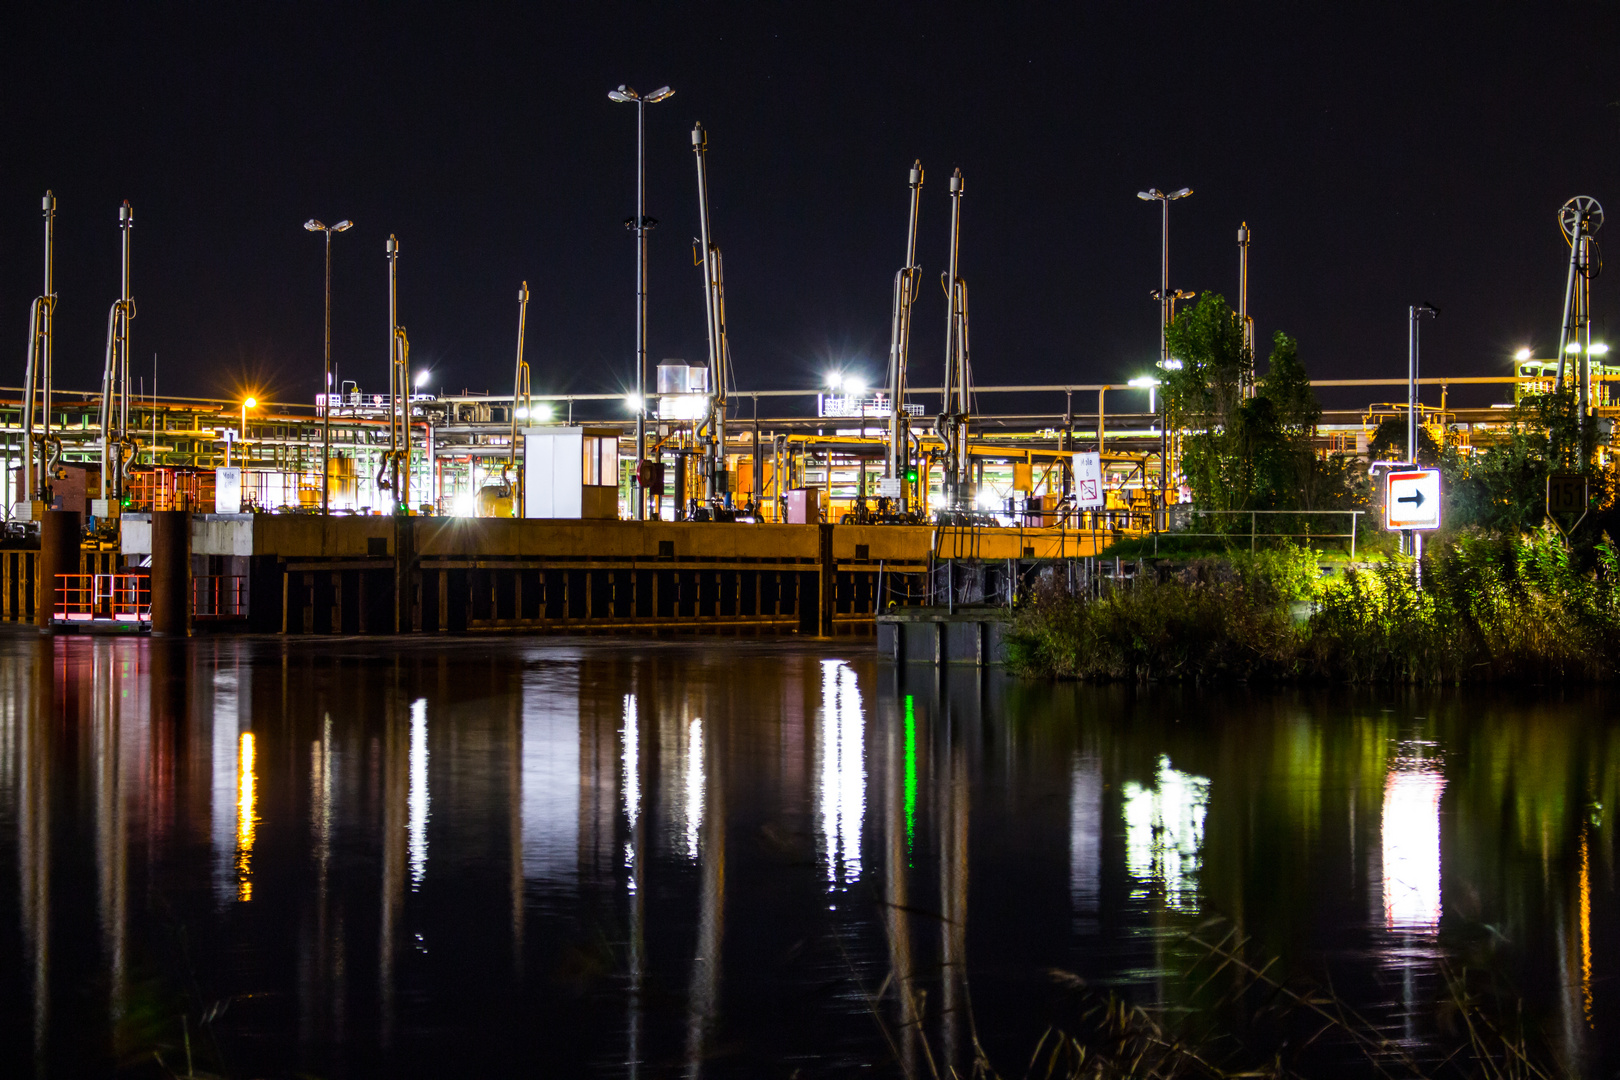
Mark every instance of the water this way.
pixel 722 857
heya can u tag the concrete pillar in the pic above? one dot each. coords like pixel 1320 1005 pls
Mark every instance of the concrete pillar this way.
pixel 58 554
pixel 171 572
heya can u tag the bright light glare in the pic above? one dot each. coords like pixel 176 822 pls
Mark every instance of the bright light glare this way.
pixel 421 379
pixel 540 412
pixel 465 505
pixel 633 402
pixel 1600 349
pixel 1171 364
pixel 1572 348
pixel 835 380
pixel 1522 354
pixel 522 413
pixel 250 403
pixel 854 385
pixel 1144 382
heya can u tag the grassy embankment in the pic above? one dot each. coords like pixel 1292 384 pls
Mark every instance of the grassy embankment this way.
pixel 1520 608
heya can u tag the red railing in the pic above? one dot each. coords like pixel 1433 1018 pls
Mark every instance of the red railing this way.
pixel 219 596
pixel 123 598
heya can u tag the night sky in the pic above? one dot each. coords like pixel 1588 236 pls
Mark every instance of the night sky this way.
pixel 1381 158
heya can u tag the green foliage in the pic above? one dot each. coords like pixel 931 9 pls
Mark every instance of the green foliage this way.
pixel 1491 608
pixel 1388 443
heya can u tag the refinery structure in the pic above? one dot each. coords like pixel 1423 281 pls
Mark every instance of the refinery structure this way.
pixel 411 509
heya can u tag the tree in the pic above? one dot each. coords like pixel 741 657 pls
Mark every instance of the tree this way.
pixel 1238 453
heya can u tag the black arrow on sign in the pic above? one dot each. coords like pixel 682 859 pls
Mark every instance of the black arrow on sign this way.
pixel 1416 498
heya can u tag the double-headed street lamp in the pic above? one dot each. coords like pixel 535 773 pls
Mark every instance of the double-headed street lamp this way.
pixel 639 225
pixel 326 389
pixel 1166 301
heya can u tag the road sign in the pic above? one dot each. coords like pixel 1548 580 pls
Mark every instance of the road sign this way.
pixel 1412 499
pixel 1567 493
pixel 1088 489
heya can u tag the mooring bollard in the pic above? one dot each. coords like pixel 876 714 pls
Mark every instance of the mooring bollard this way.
pixel 171 572
pixel 58 554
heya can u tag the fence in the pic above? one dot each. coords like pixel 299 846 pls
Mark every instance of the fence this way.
pixel 219 597
pixel 124 598
pixel 1255 535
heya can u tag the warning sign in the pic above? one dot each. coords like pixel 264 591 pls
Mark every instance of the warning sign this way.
pixel 1088 486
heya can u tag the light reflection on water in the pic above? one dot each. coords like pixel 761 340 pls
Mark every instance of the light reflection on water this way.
pixel 1411 850
pixel 633 846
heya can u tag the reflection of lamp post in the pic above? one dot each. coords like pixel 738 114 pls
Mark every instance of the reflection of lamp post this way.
pixel 326 386
pixel 640 225
pixel 1165 302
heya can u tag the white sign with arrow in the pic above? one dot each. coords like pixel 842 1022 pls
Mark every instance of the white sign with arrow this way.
pixel 1412 499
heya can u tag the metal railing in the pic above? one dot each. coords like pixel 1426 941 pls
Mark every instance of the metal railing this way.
pixel 219 597
pixel 124 598
pixel 1255 535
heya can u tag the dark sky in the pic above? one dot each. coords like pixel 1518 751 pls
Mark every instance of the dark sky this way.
pixel 1381 156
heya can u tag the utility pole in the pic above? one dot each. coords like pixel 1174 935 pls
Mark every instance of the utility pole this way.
pixel 906 280
pixel 1166 303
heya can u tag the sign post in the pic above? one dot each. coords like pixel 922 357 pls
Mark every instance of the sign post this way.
pixel 1412 505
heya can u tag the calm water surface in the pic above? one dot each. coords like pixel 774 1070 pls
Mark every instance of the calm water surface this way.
pixel 728 858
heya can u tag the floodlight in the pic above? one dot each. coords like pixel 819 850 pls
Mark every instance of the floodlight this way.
pixel 421 379
pixel 1144 382
pixel 1599 349
pixel 1522 354
pixel 1573 348
pixel 834 380
pixel 854 385
pixel 250 403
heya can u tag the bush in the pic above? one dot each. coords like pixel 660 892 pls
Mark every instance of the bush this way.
pixel 1489 609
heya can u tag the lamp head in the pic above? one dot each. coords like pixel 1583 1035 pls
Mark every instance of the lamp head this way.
pixel 1522 354
pixel 1182 194
pixel 314 226
pixel 659 95
pixel 343 226
pixel 623 93
pixel 250 403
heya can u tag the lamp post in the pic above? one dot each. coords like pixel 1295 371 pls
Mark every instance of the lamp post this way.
pixel 1166 302
pixel 1413 314
pixel 326 386
pixel 639 225
pixel 247 403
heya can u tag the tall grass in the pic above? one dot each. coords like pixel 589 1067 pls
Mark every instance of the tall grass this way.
pixel 1519 608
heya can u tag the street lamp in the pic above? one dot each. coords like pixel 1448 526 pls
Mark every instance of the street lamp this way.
pixel 1414 313
pixel 1151 385
pixel 1165 302
pixel 326 388
pixel 247 403
pixel 640 224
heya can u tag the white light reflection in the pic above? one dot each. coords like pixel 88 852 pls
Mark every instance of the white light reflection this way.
pixel 1085 838
pixel 550 778
pixel 630 737
pixel 1164 833
pixel 842 749
pixel 694 786
pixel 228 723
pixel 1412 842
pixel 417 801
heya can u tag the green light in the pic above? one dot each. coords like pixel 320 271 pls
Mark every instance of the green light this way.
pixel 911 775
pixel 911 476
